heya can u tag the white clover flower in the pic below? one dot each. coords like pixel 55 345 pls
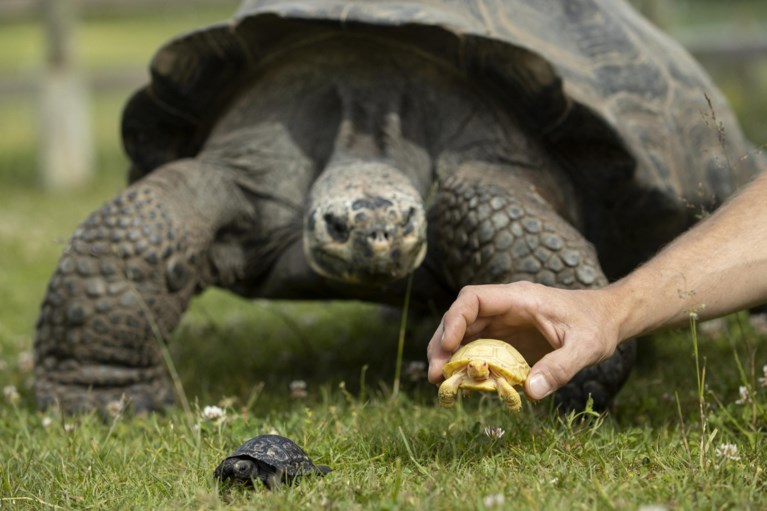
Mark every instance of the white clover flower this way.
pixel 69 427
pixel 46 422
pixel 26 361
pixel 495 500
pixel 745 395
pixel 298 389
pixel 763 380
pixel 416 370
pixel 115 408
pixel 11 394
pixel 727 452
pixel 494 433
pixel 653 507
pixel 759 323
pixel 213 413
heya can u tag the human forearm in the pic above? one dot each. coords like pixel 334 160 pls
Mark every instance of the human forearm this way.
pixel 717 267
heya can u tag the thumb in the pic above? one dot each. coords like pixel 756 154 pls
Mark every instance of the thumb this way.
pixel 554 371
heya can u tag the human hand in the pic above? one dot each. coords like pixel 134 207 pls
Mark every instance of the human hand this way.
pixel 560 331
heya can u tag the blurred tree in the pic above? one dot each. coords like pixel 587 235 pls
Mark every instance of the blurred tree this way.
pixel 66 146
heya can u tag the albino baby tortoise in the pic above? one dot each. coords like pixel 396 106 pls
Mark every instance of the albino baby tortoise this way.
pixel 488 365
pixel 272 459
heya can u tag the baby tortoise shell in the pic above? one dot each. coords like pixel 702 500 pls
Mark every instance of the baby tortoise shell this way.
pixel 272 459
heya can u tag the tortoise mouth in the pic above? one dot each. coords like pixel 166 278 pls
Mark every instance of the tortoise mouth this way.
pixel 355 262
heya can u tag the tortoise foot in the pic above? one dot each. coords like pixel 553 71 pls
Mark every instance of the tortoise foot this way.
pixel 445 400
pixel 74 397
pixel 601 382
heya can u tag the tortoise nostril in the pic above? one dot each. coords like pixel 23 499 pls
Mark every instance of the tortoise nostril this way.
pixel 409 221
pixel 379 236
pixel 337 227
pixel 409 217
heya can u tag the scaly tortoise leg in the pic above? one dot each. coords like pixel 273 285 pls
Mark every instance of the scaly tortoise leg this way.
pixel 508 394
pixel 489 233
pixel 126 277
pixel 449 389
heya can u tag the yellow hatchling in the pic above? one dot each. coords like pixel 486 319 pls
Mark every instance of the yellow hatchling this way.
pixel 487 365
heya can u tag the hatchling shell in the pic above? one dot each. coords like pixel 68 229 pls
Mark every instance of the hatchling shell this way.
pixel 500 356
pixel 278 459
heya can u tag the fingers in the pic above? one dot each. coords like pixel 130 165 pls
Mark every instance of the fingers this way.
pixel 580 330
pixel 557 368
pixel 451 331
pixel 437 355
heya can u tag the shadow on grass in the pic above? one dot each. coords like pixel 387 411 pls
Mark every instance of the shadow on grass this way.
pixel 252 351
pixel 226 346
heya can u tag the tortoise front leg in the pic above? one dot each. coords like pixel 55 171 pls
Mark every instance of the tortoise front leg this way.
pixel 121 286
pixel 449 389
pixel 501 232
pixel 494 227
pixel 508 394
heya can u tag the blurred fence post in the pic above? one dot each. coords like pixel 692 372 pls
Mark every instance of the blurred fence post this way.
pixel 66 146
pixel 653 10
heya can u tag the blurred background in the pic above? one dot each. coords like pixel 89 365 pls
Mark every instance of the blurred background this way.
pixel 71 64
pixel 95 52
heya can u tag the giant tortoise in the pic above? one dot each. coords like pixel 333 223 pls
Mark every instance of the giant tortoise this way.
pixel 320 149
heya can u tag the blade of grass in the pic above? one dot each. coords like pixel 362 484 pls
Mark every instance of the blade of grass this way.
pixel 401 340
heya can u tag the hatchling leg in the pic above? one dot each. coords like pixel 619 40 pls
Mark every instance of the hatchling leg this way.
pixel 449 389
pixel 508 395
pixel 488 233
pixel 121 286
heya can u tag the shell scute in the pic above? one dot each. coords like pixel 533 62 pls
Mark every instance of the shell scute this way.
pixel 501 357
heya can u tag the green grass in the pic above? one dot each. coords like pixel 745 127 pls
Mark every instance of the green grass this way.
pixel 387 454
pixel 403 453
pixel 657 447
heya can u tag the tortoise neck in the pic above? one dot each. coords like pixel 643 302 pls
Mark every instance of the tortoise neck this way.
pixel 371 132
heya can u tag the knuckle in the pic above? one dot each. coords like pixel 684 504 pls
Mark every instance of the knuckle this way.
pixel 560 373
pixel 467 293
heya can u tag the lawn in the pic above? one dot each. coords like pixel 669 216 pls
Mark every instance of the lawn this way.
pixel 686 433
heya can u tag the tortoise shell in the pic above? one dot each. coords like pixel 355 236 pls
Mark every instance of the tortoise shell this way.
pixel 278 459
pixel 500 356
pixel 627 111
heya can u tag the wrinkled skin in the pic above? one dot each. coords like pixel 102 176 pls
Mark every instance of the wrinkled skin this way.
pixel 344 167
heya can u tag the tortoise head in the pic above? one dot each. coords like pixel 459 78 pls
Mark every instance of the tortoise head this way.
pixel 238 470
pixel 478 370
pixel 365 223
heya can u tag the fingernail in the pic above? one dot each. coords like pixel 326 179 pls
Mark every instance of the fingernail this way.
pixel 539 387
